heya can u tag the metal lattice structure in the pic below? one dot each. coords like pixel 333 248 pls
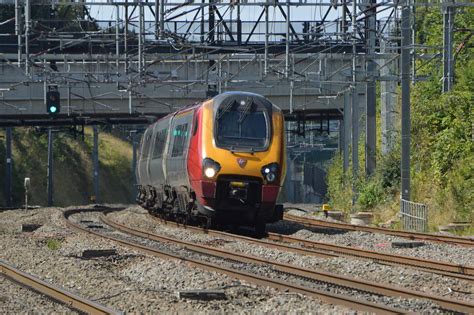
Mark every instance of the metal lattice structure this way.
pixel 123 61
pixel 413 216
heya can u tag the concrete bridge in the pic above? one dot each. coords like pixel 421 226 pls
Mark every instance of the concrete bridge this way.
pixel 97 84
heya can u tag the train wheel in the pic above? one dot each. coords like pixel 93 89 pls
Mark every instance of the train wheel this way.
pixel 260 228
pixel 208 223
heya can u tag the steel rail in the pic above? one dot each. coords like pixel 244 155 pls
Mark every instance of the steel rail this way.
pixel 259 280
pixel 288 248
pixel 358 284
pixel 315 223
pixel 443 268
pixel 69 299
pixel 314 248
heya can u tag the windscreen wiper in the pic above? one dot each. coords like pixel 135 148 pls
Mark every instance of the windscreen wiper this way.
pixel 225 109
pixel 243 114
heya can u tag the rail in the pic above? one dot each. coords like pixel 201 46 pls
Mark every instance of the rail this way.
pixel 338 299
pixel 316 223
pixel 69 299
pixel 326 250
pixel 316 275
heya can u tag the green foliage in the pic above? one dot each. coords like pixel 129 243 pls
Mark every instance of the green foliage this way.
pixel 466 232
pixel 72 176
pixel 447 130
pixel 74 18
pixel 339 186
pixel 459 186
pixel 388 169
pixel 370 195
pixel 53 244
pixel 442 143
pixel 465 79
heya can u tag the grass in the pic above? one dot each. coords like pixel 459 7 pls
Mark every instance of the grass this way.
pixel 72 176
pixel 115 158
pixel 53 244
pixel 466 232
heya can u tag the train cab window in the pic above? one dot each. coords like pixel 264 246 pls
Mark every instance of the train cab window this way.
pixel 196 124
pixel 242 125
pixel 159 146
pixel 180 134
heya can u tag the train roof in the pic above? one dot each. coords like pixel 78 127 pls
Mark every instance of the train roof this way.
pixel 261 100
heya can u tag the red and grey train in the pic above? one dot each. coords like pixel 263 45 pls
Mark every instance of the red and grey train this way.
pixel 222 161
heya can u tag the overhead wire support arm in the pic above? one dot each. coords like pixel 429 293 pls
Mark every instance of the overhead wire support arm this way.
pixel 225 25
pixel 255 26
pixel 288 4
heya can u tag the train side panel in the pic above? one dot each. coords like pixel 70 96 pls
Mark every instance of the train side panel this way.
pixel 195 156
pixel 157 174
pixel 143 172
pixel 175 160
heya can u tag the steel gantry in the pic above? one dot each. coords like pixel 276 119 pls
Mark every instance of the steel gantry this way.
pixel 116 59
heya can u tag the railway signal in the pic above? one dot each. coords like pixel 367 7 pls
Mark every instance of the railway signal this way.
pixel 53 103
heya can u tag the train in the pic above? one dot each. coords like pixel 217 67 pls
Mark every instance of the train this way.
pixel 217 162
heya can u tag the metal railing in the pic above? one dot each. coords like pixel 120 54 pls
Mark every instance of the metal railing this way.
pixel 414 216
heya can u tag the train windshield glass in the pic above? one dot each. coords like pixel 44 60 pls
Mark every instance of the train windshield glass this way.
pixel 242 126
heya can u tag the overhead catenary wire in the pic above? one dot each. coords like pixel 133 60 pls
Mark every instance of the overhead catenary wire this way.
pixel 186 47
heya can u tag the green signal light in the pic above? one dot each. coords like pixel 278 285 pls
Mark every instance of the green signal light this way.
pixel 53 109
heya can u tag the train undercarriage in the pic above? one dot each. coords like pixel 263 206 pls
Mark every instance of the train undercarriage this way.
pixel 183 207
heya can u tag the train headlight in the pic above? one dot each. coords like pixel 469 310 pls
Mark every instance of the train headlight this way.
pixel 210 167
pixel 209 172
pixel 271 177
pixel 270 172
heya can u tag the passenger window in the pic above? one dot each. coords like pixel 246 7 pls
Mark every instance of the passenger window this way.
pixel 160 141
pixel 180 134
pixel 146 146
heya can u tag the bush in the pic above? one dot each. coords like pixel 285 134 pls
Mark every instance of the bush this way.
pixel 371 194
pixel 339 186
pixel 388 170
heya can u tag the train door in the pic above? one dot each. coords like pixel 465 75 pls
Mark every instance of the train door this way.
pixel 160 131
pixel 143 171
pixel 177 151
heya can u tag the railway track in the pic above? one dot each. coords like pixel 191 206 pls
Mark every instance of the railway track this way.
pixel 338 299
pixel 314 275
pixel 443 268
pixel 340 281
pixel 69 299
pixel 315 223
pixel 326 250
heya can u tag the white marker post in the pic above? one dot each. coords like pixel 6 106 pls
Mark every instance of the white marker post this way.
pixel 26 185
